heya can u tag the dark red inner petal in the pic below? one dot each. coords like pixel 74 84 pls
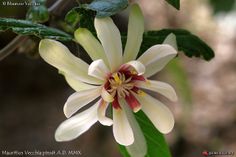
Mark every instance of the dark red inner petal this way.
pixel 107 85
pixel 135 89
pixel 138 78
pixel 115 103
pixel 132 101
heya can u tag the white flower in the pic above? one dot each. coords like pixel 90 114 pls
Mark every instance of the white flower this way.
pixel 113 79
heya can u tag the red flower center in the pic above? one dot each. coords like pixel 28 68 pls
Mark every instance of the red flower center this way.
pixel 121 84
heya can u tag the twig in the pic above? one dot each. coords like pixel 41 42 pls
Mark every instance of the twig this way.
pixel 12 46
pixel 55 5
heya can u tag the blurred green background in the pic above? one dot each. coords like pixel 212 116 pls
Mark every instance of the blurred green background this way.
pixel 32 94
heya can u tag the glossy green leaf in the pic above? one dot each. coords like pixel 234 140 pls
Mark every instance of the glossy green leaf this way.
pixel 157 146
pixel 174 3
pixel 106 8
pixel 187 42
pixel 25 27
pixel 38 11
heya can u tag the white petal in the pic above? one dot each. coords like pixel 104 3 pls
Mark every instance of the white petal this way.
pixel 138 66
pixel 122 130
pixel 110 38
pixel 102 114
pixel 157 112
pixel 79 99
pixel 135 33
pixel 160 87
pixel 90 44
pixel 98 69
pixel 76 125
pixel 139 147
pixel 59 56
pixel 106 96
pixel 156 57
pixel 76 84
pixel 171 40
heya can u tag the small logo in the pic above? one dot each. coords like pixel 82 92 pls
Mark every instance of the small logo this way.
pixel 205 153
pixel 217 153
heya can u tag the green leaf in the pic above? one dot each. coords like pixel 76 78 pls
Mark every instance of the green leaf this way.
pixel 72 17
pixel 174 3
pixel 37 11
pixel 83 17
pixel 190 44
pixel 157 146
pixel 106 8
pixel 123 151
pixel 25 27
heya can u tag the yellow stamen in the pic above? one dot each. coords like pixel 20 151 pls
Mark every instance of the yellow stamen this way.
pixel 117 78
pixel 141 93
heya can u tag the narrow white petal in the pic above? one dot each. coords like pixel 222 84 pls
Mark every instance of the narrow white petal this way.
pixel 139 147
pixel 157 112
pixel 110 38
pixel 98 69
pixel 122 130
pixel 79 99
pixel 59 56
pixel 90 44
pixel 102 114
pixel 76 125
pixel 138 66
pixel 171 40
pixel 106 96
pixel 76 84
pixel 160 87
pixel 135 33
pixel 156 58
